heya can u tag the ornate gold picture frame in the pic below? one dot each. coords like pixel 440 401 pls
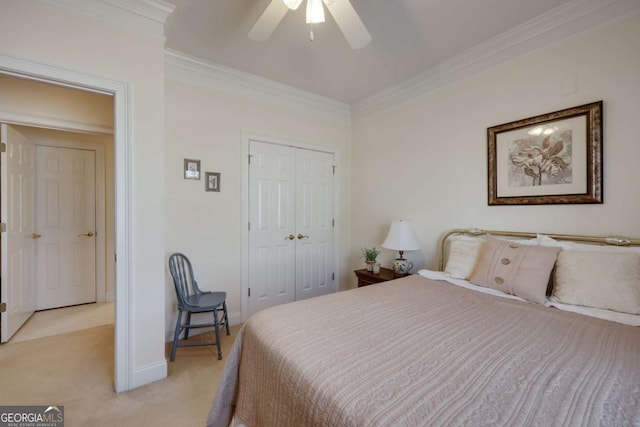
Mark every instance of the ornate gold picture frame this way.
pixel 554 158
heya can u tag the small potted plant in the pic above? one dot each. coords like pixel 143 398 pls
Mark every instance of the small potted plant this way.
pixel 370 256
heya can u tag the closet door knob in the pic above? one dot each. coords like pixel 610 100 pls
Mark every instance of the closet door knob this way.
pixel 290 237
pixel 300 236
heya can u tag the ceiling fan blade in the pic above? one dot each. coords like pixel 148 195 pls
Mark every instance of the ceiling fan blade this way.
pixel 268 21
pixel 349 22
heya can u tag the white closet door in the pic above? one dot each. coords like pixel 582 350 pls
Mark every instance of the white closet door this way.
pixel 18 242
pixel 291 217
pixel 272 242
pixel 314 223
pixel 66 219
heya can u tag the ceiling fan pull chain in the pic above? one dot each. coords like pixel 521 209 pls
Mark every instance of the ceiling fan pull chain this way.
pixel 311 33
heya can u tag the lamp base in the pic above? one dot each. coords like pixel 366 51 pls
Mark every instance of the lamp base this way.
pixel 402 267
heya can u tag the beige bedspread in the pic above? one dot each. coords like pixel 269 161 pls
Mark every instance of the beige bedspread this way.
pixel 417 352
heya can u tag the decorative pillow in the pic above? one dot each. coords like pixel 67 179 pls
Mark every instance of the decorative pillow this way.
pixel 463 255
pixel 609 280
pixel 515 269
pixel 464 252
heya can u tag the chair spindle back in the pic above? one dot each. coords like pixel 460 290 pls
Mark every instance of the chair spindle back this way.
pixel 182 274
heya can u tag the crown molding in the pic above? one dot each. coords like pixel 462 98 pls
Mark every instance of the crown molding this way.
pixel 572 18
pixel 142 16
pixel 182 67
pixel 156 10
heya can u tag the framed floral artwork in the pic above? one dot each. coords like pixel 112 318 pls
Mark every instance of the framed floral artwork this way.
pixel 553 158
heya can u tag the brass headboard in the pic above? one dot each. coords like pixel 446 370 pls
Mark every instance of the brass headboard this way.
pixel 612 240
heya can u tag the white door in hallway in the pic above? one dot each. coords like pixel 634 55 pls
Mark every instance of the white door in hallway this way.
pixel 66 222
pixel 291 224
pixel 18 286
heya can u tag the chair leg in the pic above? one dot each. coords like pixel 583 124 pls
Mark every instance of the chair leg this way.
pixel 226 316
pixel 176 335
pixel 217 327
pixel 186 330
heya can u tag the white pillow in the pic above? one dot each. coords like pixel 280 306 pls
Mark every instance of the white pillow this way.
pixel 548 241
pixel 585 247
pixel 463 255
pixel 609 280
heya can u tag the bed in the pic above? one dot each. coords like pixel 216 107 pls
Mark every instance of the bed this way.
pixel 432 349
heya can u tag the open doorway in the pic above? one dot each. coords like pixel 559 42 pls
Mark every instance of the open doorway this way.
pixel 119 92
pixel 54 187
pixel 125 372
pixel 73 232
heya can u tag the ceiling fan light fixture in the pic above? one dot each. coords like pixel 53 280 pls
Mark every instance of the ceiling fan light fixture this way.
pixel 315 11
pixel 342 11
pixel 292 4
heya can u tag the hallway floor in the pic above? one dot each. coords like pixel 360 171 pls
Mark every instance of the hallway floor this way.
pixel 63 320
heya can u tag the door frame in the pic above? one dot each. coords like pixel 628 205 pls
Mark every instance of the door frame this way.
pixel 121 91
pixel 100 191
pixel 244 261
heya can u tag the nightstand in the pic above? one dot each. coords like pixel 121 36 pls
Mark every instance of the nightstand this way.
pixel 368 278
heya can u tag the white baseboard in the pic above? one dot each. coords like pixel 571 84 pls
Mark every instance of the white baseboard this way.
pixel 149 374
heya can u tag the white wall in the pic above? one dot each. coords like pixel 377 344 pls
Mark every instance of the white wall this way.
pixel 58 36
pixel 425 161
pixel 207 125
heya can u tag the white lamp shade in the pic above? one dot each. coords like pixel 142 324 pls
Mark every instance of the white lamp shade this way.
pixel 401 237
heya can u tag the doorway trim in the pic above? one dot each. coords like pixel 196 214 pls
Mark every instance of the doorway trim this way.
pixel 24 68
pixel 244 261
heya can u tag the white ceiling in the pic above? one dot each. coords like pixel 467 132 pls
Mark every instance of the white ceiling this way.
pixel 409 37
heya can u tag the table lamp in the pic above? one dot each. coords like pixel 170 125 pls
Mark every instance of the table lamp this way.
pixel 401 238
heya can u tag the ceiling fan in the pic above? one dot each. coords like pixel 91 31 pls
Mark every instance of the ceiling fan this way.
pixel 342 11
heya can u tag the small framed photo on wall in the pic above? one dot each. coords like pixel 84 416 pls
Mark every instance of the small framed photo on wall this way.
pixel 191 169
pixel 212 181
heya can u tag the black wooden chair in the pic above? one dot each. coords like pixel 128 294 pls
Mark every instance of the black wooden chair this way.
pixel 192 300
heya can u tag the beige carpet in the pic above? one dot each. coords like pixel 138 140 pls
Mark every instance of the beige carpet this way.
pixel 63 320
pixel 76 370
